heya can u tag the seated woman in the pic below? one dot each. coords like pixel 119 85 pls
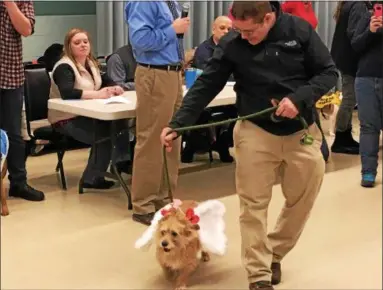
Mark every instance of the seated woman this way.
pixel 77 76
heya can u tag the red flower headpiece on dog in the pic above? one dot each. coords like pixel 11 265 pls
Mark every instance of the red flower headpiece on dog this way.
pixel 191 216
pixel 175 205
pixel 165 212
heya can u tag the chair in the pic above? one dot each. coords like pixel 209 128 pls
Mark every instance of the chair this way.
pixel 36 95
pixel 102 61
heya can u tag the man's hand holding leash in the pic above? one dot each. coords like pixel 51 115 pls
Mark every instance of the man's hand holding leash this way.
pixel 286 108
pixel 167 137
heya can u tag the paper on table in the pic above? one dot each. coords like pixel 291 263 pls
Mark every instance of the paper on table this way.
pixel 114 100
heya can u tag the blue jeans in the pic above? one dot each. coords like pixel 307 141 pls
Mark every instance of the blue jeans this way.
pixel 369 95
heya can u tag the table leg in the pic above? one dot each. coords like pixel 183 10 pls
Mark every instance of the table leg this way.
pixel 80 186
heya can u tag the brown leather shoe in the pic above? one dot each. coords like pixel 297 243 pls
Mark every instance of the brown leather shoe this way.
pixel 277 273
pixel 265 285
pixel 145 219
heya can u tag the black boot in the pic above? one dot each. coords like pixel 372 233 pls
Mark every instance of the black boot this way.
pixel 187 155
pixel 26 192
pixel 344 143
pixel 224 155
pixel 277 273
pixel 222 147
pixel 99 183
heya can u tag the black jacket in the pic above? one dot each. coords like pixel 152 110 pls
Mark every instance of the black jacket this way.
pixel 344 56
pixel 203 52
pixel 293 61
pixel 370 47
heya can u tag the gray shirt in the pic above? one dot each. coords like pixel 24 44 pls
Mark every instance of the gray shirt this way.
pixel 117 72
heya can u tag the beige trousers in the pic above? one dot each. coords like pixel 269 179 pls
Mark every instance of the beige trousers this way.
pixel 260 158
pixel 159 95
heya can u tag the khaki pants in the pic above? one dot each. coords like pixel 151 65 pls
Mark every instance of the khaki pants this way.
pixel 159 95
pixel 260 158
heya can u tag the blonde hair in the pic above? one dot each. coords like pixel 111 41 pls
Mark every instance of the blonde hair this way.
pixel 68 50
pixel 338 9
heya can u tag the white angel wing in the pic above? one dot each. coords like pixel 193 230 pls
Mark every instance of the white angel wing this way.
pixel 147 237
pixel 212 226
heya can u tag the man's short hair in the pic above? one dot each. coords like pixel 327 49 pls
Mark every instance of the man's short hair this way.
pixel 256 10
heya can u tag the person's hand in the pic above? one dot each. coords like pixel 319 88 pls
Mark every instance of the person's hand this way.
pixel 116 90
pixel 167 139
pixel 286 108
pixel 104 93
pixel 181 25
pixel 375 23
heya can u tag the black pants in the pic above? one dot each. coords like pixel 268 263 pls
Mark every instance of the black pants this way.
pixel 83 129
pixel 11 105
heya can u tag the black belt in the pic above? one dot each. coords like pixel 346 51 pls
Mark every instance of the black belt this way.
pixel 177 67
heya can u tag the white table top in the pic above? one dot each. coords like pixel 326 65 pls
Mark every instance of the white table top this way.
pixel 96 110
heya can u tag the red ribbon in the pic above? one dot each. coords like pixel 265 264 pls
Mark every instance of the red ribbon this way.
pixel 191 216
pixel 165 212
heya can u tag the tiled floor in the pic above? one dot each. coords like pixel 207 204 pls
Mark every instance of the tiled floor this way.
pixel 86 242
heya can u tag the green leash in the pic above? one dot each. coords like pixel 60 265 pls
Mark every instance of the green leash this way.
pixel 306 138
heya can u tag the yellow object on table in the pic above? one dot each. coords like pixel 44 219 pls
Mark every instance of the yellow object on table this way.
pixel 330 99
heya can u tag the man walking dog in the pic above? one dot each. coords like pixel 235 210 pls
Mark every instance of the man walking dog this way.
pixel 275 58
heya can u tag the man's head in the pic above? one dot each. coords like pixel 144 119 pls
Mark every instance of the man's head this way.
pixel 221 26
pixel 253 19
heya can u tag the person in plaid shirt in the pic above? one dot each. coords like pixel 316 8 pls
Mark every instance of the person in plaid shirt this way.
pixel 16 19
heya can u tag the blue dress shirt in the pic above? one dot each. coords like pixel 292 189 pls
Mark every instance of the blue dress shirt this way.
pixel 151 34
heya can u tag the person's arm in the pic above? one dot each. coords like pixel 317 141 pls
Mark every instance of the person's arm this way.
pixel 201 57
pixel 205 89
pixel 144 35
pixel 23 18
pixel 322 71
pixel 64 78
pixel 116 71
pixel 358 27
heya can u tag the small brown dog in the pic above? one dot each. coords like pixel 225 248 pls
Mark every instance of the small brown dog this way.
pixel 186 233
pixel 4 206
pixel 178 246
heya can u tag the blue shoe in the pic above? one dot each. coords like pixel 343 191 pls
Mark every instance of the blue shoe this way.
pixel 368 180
